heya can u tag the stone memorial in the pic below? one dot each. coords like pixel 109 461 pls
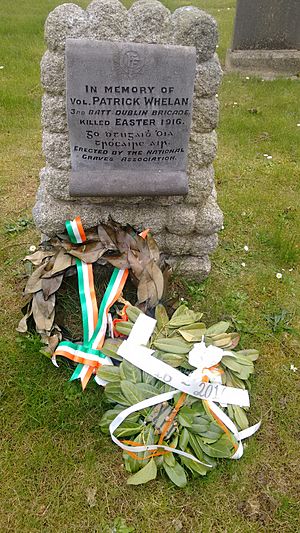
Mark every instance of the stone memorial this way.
pixel 129 116
pixel 266 37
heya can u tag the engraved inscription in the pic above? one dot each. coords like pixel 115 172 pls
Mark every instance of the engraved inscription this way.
pixel 131 113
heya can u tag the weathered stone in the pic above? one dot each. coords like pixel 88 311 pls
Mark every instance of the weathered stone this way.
pixel 184 226
pixel 54 117
pixel 193 27
pixel 149 22
pixel 195 268
pixel 193 244
pixel 200 185
pixel 202 150
pixel 267 63
pixel 205 114
pixel 181 219
pixel 57 150
pixel 108 20
pixel 209 219
pixel 53 72
pixel 208 78
pixel 66 20
pixel 57 184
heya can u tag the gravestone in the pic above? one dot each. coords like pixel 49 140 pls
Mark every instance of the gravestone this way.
pixel 129 116
pixel 266 37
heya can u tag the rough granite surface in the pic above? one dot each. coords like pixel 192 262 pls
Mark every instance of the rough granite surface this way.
pixel 185 227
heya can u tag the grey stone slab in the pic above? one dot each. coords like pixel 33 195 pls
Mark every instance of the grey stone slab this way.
pixel 127 183
pixel 129 111
pixel 194 27
pixel 267 25
pixel 267 63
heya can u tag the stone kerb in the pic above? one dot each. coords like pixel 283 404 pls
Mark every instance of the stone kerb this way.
pixel 185 226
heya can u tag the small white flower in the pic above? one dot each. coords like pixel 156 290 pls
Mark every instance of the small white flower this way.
pixel 217 96
pixel 246 248
pixel 235 103
pixel 228 9
pixel 217 46
pixel 247 78
pixel 32 248
pixel 222 227
pixel 278 275
pixel 297 124
pixel 269 157
pixel 182 299
pixel 293 368
pixel 291 269
pixel 2 66
pixel 243 264
pixel 266 155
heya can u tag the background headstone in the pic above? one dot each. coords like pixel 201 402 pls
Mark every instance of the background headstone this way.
pixel 266 37
pixel 185 226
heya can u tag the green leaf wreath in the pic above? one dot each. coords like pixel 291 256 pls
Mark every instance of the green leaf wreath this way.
pixel 193 429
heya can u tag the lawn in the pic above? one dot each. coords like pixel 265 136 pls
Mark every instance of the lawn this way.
pixel 58 472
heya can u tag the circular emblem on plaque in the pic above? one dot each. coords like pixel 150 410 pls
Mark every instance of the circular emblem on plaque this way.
pixel 131 62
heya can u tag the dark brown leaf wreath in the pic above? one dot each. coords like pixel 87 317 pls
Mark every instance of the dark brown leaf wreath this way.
pixel 55 259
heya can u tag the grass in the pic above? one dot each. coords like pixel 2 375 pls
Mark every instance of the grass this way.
pixel 53 456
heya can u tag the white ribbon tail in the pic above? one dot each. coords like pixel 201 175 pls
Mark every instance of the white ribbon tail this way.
pixel 53 359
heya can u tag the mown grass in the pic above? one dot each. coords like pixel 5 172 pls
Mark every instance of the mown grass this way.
pixel 52 453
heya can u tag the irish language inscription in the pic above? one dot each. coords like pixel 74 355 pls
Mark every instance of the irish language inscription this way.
pixel 129 111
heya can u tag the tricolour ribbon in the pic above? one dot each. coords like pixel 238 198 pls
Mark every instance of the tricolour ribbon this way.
pixel 88 354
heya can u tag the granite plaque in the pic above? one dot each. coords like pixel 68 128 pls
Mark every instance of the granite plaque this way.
pixel 129 110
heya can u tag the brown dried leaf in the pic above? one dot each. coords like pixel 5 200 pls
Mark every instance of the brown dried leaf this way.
pixel 38 257
pixel 151 285
pixel 105 239
pixel 51 285
pixel 61 262
pixel 120 261
pixel 135 264
pixel 89 253
pixel 153 248
pixel 22 326
pixel 34 283
pixel 42 314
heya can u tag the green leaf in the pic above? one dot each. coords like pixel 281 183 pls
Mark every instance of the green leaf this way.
pixel 147 473
pixel 251 354
pixel 110 348
pixel 185 417
pixel 133 312
pixel 130 372
pixel 109 373
pixel 221 448
pixel 183 439
pixel 216 329
pixel 147 437
pixel 148 390
pixel 108 417
pixel 133 465
pixel 172 359
pixel 161 316
pixel 193 332
pixel 194 441
pixel 240 417
pixel 127 429
pixel 147 378
pixel 195 467
pixel 124 327
pixel 133 393
pixel 113 394
pixel 232 363
pixel 176 474
pixel 169 459
pixel 173 345
pixel 184 316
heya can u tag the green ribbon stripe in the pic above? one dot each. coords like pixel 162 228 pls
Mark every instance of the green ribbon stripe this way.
pixel 70 232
